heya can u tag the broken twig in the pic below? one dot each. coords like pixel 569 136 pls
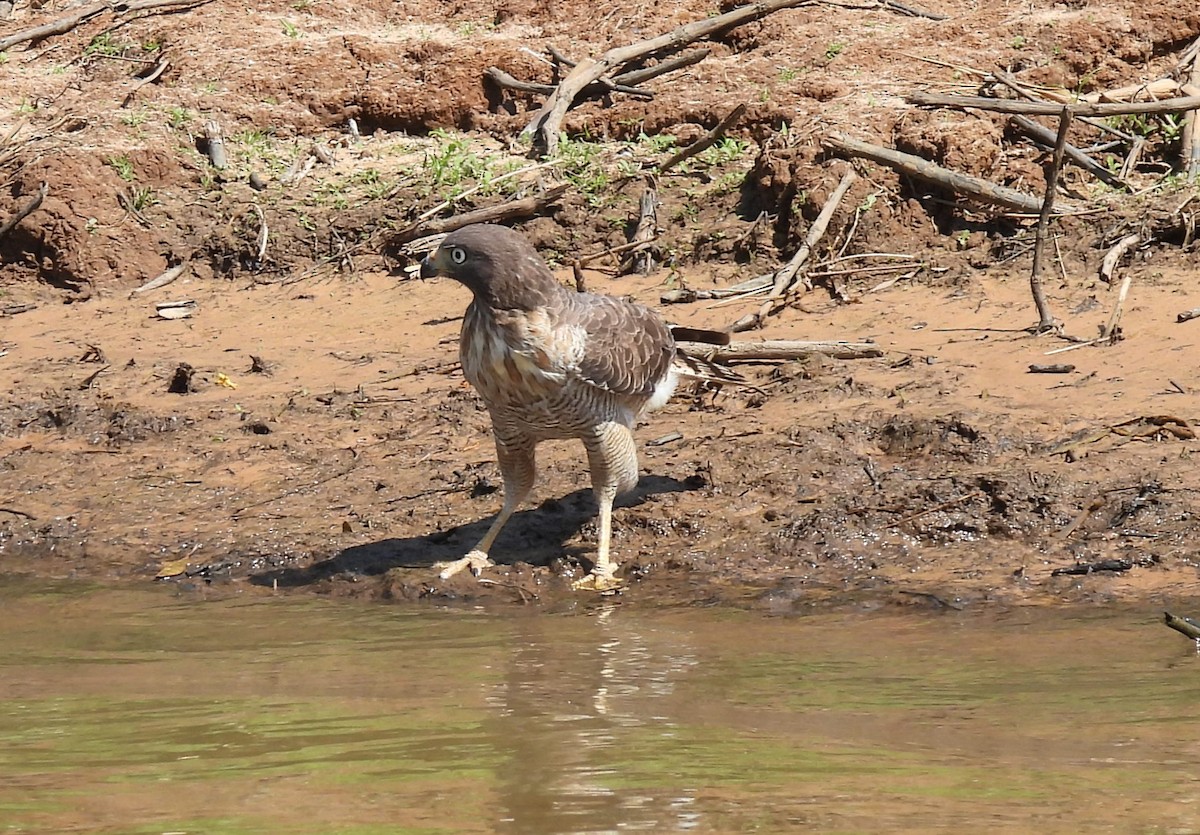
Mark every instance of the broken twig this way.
pixel 1045 317
pixel 705 142
pixel 781 349
pixel 547 123
pixel 923 169
pixel 24 212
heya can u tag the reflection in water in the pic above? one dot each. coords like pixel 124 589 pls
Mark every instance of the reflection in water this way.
pixel 134 713
pixel 563 712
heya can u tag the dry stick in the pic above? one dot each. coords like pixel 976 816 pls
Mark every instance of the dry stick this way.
pixel 27 210
pixel 262 234
pixel 56 27
pixel 785 278
pixel 161 281
pixel 547 123
pixel 446 204
pixel 1177 105
pixel 923 169
pixel 1190 147
pixel 511 210
pixel 635 77
pixel 781 349
pixel 912 10
pixel 705 142
pixel 641 257
pixel 159 69
pixel 1112 331
pixel 1188 315
pixel 503 79
pixel 1010 81
pixel 616 250
pixel 1186 626
pixel 1045 317
pixel 164 5
pixel 1047 137
pixel 1114 255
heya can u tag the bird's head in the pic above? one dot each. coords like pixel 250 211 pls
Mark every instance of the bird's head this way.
pixel 497 264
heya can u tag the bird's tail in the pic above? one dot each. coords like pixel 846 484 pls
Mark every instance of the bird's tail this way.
pixel 692 367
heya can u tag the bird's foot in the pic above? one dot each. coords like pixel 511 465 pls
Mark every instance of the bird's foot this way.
pixel 476 561
pixel 605 583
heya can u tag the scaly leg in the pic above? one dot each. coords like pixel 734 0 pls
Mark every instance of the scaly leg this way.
pixel 518 469
pixel 612 458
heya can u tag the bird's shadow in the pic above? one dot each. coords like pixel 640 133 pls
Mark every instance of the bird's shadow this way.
pixel 535 535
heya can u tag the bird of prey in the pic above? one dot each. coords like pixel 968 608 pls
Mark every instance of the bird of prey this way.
pixel 550 362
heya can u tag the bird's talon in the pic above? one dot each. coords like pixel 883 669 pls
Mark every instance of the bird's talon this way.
pixel 477 561
pixel 605 583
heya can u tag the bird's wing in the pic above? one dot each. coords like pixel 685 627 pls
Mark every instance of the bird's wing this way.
pixel 627 350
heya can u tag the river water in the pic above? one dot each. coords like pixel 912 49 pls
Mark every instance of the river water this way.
pixel 137 711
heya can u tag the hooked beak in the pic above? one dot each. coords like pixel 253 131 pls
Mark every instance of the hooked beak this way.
pixel 430 267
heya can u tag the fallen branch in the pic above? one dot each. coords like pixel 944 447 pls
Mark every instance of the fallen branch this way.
pixel 547 123
pixel 1188 315
pixel 502 79
pixel 158 69
pixel 1047 137
pixel 510 210
pixel 1189 151
pixel 261 251
pixel 1112 331
pixel 705 142
pixel 1033 108
pixel 785 278
pixel 781 349
pixel 28 209
pixel 161 281
pixel 636 77
pixel 1104 565
pixel 923 169
pixel 1045 317
pixel 641 257
pixel 85 13
pixel 1114 255
pixel 1186 626
pixel 56 27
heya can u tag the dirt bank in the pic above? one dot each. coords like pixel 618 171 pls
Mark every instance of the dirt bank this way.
pixel 327 442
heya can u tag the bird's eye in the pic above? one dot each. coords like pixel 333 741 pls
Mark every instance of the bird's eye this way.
pixel 458 255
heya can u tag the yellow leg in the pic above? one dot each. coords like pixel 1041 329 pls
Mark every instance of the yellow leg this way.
pixel 515 454
pixel 612 458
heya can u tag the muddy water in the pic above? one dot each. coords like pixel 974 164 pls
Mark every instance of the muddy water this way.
pixel 138 712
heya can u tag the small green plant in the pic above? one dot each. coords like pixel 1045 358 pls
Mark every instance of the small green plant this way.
pixel 290 29
pixel 788 74
pixel 1171 125
pixel 27 106
pixel 725 151
pixel 103 45
pixel 122 166
pixel 581 165
pixel 962 238
pixel 660 143
pixel 452 161
pixel 3 57
pixel 178 117
pixel 134 119
pixel 834 50
pixel 1018 42
pixel 152 45
pixel 141 199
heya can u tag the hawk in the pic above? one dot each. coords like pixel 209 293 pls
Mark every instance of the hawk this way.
pixel 550 363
